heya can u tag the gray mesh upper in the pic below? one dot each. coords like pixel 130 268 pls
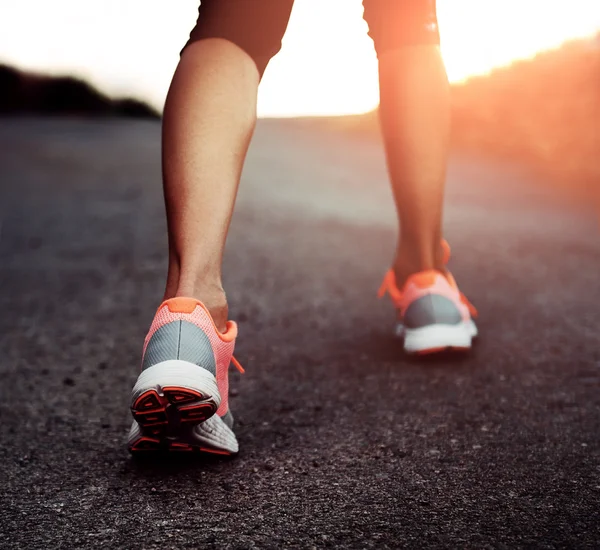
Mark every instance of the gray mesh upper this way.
pixel 431 310
pixel 180 340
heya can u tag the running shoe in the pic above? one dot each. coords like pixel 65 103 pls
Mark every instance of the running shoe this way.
pixel 180 399
pixel 433 315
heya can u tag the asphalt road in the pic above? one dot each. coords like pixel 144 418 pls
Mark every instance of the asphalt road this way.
pixel 345 443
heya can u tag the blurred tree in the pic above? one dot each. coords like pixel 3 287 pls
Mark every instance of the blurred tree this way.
pixel 27 93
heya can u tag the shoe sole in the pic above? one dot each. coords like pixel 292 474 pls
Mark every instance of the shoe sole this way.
pixel 212 436
pixel 439 338
pixel 168 400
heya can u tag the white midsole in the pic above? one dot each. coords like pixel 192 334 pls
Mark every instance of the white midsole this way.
pixel 215 433
pixel 182 374
pixel 438 336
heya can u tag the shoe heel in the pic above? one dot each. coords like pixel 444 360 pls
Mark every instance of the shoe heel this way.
pixel 172 396
pixel 166 410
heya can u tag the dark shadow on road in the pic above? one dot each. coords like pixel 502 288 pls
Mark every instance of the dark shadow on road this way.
pixel 384 347
pixel 164 464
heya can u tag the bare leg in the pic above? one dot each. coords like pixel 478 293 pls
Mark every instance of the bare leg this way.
pixel 415 119
pixel 209 118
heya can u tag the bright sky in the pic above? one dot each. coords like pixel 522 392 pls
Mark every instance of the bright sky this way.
pixel 327 64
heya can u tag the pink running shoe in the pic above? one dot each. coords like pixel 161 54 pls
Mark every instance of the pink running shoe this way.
pixel 433 315
pixel 180 399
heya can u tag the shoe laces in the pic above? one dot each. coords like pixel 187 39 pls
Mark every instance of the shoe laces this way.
pixel 237 365
pixel 472 309
pixel 463 298
pixel 388 286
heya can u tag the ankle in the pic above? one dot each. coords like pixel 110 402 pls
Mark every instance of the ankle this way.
pixel 211 295
pixel 410 260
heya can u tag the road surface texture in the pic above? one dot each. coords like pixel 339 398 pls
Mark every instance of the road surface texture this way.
pixel 345 443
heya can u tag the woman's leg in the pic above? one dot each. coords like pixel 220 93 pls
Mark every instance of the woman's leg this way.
pixel 415 119
pixel 180 399
pixel 208 121
pixel 209 118
pixel 415 116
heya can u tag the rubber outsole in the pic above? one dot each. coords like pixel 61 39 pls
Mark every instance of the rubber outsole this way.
pixel 164 411
pixel 152 445
pixel 212 436
pixel 447 349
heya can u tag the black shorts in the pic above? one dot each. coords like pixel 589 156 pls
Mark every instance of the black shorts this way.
pixel 258 26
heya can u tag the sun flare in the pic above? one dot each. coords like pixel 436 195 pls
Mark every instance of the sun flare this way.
pixel 316 73
pixel 478 35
